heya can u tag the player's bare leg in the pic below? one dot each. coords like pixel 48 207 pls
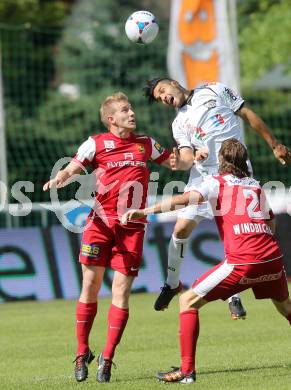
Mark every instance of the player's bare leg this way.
pixel 176 253
pixel 284 308
pixel 85 313
pixel 117 320
pixel 91 284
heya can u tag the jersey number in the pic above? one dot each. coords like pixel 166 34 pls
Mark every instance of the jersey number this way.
pixel 255 202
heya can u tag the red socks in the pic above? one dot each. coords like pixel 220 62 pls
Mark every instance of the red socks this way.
pixel 189 331
pixel 117 319
pixel 289 318
pixel 85 314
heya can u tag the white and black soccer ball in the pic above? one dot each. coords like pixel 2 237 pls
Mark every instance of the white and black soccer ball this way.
pixel 141 27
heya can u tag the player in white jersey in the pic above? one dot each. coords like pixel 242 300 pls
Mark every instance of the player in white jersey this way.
pixel 206 116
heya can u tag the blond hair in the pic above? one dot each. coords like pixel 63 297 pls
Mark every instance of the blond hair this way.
pixel 107 107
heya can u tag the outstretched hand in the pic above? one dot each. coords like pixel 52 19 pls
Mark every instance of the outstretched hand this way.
pixel 282 154
pixel 131 215
pixel 54 183
pixel 201 154
pixel 59 181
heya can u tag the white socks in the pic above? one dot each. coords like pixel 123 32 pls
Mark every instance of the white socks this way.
pixel 234 296
pixel 176 254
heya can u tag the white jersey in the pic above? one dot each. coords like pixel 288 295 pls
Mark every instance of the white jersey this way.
pixel 206 120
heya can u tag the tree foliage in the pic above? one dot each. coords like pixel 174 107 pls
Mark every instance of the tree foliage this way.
pixel 91 58
pixel 40 13
pixel 55 79
pixel 264 39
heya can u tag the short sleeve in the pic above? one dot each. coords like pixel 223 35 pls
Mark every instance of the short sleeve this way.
pixel 229 97
pixel 86 152
pixel 181 135
pixel 159 153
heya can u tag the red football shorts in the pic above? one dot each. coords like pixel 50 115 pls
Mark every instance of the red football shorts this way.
pixel 267 280
pixel 115 246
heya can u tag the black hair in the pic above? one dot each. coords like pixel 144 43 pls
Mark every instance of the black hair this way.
pixel 148 89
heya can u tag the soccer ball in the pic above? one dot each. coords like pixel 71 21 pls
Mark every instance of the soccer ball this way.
pixel 141 27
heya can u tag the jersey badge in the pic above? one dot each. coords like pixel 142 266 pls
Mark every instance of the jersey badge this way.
pixel 210 104
pixel 159 147
pixel 109 145
pixel 140 148
pixel 217 120
pixel 230 94
pixel 199 133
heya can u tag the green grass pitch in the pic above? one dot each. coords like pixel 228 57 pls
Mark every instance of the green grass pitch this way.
pixel 37 346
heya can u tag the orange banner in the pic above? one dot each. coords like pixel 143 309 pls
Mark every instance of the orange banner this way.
pixel 200 44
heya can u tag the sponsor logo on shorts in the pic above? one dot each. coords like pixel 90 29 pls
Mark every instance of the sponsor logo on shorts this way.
pixel 91 250
pixel 261 279
pixel 133 269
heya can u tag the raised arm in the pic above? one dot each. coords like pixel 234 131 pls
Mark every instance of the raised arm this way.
pixel 63 176
pixel 281 152
pixel 192 197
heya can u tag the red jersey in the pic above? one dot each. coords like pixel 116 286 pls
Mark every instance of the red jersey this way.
pixel 241 211
pixel 120 166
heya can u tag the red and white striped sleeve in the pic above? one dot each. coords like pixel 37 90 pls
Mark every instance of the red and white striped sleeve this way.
pixel 86 152
pixel 159 153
